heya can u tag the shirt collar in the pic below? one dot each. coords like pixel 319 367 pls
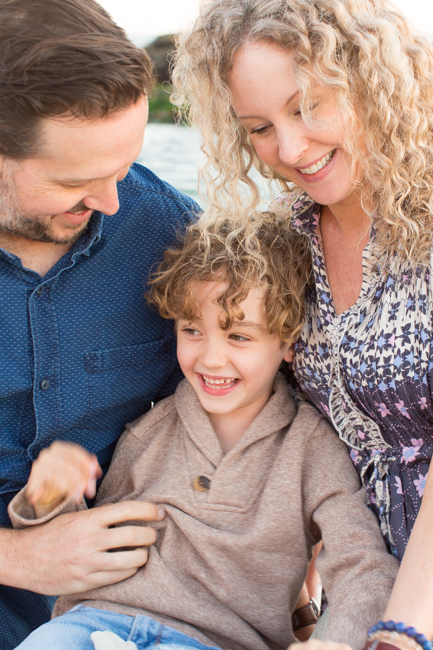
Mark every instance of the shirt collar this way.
pixel 277 414
pixel 92 235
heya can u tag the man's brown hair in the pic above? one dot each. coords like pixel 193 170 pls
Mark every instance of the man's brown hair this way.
pixel 263 252
pixel 62 57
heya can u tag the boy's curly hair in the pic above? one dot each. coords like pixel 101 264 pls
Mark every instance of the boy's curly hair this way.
pixel 263 252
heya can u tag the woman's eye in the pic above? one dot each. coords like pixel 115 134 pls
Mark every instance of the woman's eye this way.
pixel 312 108
pixel 260 131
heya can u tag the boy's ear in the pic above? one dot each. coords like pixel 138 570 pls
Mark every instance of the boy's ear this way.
pixel 289 354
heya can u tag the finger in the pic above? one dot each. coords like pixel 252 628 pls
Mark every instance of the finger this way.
pixel 95 472
pixel 116 513
pixel 35 483
pixel 90 488
pixel 103 578
pixel 51 492
pixel 122 560
pixel 96 467
pixel 76 493
pixel 33 493
pixel 125 536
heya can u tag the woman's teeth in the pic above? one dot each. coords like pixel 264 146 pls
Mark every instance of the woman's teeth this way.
pixel 318 165
pixel 219 383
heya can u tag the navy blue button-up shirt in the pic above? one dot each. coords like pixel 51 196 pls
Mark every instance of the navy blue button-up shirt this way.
pixel 81 353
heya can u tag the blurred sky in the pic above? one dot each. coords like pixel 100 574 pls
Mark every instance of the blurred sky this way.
pixel 146 19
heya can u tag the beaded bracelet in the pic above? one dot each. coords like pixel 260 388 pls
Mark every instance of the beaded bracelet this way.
pixel 402 630
pixel 393 638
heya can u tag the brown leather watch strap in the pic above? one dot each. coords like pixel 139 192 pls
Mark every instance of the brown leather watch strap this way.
pixel 306 615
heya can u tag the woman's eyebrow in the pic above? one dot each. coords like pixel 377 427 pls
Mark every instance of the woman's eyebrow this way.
pixel 250 117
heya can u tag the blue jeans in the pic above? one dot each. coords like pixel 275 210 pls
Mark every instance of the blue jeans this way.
pixel 72 632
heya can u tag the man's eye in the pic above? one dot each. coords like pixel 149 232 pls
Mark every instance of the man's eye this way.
pixel 190 331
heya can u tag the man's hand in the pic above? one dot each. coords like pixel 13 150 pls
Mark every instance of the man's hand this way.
pixel 69 554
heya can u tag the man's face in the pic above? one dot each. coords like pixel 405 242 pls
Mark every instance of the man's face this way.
pixel 50 198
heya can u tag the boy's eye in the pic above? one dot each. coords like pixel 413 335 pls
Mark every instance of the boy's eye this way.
pixel 239 337
pixel 190 331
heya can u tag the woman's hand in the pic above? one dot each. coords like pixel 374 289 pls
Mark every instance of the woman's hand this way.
pixel 315 644
pixel 63 470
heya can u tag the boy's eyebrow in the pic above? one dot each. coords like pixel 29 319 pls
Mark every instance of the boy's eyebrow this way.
pixel 247 323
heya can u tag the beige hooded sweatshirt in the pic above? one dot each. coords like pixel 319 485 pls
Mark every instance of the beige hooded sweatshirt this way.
pixel 229 561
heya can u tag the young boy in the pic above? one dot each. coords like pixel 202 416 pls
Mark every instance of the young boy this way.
pixel 250 480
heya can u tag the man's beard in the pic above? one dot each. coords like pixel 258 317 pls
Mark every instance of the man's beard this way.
pixel 14 222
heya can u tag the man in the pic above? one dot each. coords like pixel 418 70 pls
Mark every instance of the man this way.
pixel 80 352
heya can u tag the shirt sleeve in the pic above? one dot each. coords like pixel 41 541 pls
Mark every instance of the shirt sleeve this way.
pixel 22 514
pixel 356 569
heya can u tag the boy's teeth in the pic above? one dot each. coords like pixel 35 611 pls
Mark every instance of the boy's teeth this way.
pixel 315 168
pixel 218 382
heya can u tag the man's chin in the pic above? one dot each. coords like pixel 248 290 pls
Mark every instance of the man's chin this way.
pixel 36 231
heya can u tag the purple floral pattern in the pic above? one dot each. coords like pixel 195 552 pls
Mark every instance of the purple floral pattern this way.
pixel 370 372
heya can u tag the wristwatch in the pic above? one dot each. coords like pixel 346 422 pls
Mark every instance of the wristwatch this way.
pixel 306 615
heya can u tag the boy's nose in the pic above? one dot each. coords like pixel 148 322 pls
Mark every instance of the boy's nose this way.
pixel 212 357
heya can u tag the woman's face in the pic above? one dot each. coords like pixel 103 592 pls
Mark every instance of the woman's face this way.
pixel 266 100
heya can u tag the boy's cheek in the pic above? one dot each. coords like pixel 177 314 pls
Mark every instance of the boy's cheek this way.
pixel 184 359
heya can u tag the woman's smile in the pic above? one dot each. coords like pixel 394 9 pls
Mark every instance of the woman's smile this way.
pixel 318 170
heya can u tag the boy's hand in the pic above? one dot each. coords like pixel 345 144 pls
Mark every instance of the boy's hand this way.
pixel 61 471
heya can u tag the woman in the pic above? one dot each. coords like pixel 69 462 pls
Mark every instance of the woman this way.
pixel 335 97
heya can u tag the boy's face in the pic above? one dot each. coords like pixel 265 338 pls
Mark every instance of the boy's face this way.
pixel 231 371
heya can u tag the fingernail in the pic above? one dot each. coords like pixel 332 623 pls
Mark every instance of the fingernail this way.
pixel 161 513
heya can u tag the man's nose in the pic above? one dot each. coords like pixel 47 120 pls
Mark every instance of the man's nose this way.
pixel 104 197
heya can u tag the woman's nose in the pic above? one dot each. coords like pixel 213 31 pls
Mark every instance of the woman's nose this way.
pixel 291 147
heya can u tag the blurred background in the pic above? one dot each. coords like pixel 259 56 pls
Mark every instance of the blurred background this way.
pixel 173 151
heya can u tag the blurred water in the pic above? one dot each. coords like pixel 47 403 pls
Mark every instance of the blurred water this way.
pixel 173 153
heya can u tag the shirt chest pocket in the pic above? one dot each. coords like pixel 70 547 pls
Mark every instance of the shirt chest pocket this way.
pixel 119 377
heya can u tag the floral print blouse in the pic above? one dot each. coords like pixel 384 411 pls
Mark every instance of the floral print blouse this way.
pixel 369 371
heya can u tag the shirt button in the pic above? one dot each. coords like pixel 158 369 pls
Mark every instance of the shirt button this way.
pixel 201 483
pixel 45 384
pixel 40 289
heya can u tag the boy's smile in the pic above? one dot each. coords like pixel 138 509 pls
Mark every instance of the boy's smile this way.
pixel 217 385
pixel 231 371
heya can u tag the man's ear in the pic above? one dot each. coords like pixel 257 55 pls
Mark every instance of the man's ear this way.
pixel 289 354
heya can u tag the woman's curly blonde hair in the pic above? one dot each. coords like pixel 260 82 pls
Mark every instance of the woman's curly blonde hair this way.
pixel 257 252
pixel 380 72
